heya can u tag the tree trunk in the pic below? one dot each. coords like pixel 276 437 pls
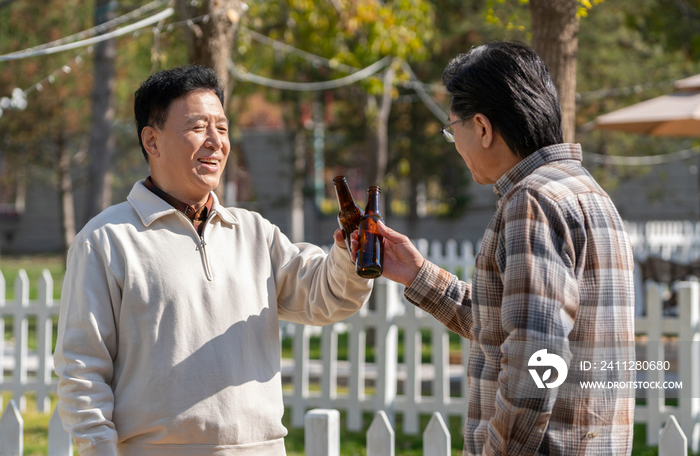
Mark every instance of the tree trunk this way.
pixel 371 140
pixel 101 147
pixel 383 126
pixel 377 118
pixel 65 186
pixel 555 27
pixel 210 42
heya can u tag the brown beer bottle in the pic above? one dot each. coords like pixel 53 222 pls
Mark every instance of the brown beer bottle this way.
pixel 349 213
pixel 370 253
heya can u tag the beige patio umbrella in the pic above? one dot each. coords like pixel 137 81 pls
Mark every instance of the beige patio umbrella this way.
pixel 677 114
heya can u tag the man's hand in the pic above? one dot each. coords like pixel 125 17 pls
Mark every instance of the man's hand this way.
pixel 339 239
pixel 402 260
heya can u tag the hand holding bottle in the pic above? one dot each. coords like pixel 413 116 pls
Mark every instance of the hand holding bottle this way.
pixel 349 213
pixel 402 260
pixel 339 239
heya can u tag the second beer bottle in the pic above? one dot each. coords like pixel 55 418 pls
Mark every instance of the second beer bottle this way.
pixel 370 252
pixel 349 213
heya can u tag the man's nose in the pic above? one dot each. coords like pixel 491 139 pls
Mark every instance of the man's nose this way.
pixel 214 140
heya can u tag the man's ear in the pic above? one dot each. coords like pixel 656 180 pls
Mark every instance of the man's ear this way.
pixel 484 130
pixel 149 137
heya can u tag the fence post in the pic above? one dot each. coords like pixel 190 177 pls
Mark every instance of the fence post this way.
pixel 440 341
pixel 60 442
pixel 689 349
pixel 380 436
pixel 301 374
pixel 387 340
pixel 423 246
pixel 672 441
pixel 322 433
pixel 654 351
pixel 467 261
pixel 412 359
pixel 11 431
pixel 44 328
pixel 356 381
pixel 436 438
pixel 329 356
pixel 413 344
pixel 436 256
pixel 452 257
pixel 21 330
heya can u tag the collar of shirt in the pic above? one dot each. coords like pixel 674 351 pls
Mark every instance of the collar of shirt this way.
pixel 191 213
pixel 533 161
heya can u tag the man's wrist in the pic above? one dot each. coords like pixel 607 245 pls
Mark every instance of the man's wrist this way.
pixel 431 281
pixel 412 274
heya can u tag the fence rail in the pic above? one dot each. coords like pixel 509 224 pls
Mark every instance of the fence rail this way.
pixel 396 326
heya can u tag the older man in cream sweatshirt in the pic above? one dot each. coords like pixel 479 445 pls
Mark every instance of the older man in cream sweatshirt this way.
pixel 168 337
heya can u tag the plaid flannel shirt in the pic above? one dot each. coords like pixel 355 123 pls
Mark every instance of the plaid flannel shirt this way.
pixel 556 266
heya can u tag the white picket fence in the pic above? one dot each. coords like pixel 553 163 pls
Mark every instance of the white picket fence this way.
pixel 668 239
pixel 321 435
pixel 686 327
pixel 20 310
pixel 389 315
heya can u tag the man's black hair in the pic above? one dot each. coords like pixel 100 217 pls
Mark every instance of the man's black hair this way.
pixel 153 98
pixel 509 84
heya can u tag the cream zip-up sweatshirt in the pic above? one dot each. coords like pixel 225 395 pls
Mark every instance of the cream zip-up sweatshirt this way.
pixel 168 342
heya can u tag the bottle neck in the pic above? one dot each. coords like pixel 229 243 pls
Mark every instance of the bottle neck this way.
pixel 342 192
pixel 373 202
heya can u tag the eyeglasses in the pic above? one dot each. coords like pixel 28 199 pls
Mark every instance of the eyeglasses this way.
pixel 448 132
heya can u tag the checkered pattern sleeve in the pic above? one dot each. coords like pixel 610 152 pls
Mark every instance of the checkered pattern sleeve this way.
pixel 444 296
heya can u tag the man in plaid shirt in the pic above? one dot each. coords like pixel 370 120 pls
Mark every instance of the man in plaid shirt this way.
pixel 554 269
